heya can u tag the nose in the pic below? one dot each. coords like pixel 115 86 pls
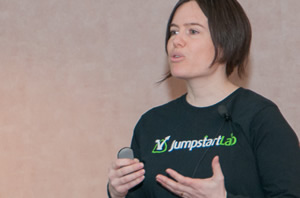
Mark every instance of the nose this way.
pixel 178 40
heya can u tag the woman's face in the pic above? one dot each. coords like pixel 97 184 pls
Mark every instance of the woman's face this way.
pixel 190 47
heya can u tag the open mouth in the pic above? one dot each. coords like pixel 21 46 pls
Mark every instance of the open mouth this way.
pixel 176 57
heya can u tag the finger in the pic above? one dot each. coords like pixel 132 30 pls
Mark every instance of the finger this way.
pixel 178 177
pixel 216 167
pixel 133 183
pixel 123 162
pixel 129 169
pixel 169 184
pixel 122 185
pixel 130 178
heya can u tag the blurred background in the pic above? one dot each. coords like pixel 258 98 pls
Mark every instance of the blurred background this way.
pixel 75 77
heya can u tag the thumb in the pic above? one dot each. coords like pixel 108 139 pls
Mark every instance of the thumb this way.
pixel 216 168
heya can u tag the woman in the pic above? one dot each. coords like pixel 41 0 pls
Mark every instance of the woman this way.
pixel 218 140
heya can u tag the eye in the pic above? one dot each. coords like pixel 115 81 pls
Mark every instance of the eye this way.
pixel 173 32
pixel 193 31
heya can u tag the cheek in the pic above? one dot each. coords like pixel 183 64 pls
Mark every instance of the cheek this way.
pixel 205 52
pixel 211 53
pixel 210 48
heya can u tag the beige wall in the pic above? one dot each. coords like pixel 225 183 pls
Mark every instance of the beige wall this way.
pixel 76 76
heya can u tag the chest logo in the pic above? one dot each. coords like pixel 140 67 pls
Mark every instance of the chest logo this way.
pixel 161 145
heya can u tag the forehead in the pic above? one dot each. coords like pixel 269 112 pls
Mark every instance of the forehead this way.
pixel 189 12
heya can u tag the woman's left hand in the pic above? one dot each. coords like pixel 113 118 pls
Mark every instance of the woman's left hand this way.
pixel 186 187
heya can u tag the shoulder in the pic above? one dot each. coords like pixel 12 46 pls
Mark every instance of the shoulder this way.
pixel 166 109
pixel 250 102
pixel 163 114
pixel 252 98
pixel 247 107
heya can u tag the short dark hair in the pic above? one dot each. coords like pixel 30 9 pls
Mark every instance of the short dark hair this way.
pixel 230 31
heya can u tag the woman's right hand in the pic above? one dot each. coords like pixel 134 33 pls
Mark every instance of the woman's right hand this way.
pixel 123 175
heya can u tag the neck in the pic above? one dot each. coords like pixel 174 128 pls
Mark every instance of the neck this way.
pixel 208 92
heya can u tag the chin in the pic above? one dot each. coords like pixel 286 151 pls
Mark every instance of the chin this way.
pixel 179 75
pixel 177 71
pixel 180 71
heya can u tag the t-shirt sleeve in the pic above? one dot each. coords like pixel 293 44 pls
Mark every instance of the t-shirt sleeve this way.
pixel 276 148
pixel 134 141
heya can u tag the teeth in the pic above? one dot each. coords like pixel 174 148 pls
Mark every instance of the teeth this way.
pixel 176 56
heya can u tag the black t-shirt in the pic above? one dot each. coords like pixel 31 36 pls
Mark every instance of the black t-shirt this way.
pixel 258 150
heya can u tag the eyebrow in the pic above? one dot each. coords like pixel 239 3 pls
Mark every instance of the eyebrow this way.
pixel 187 24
